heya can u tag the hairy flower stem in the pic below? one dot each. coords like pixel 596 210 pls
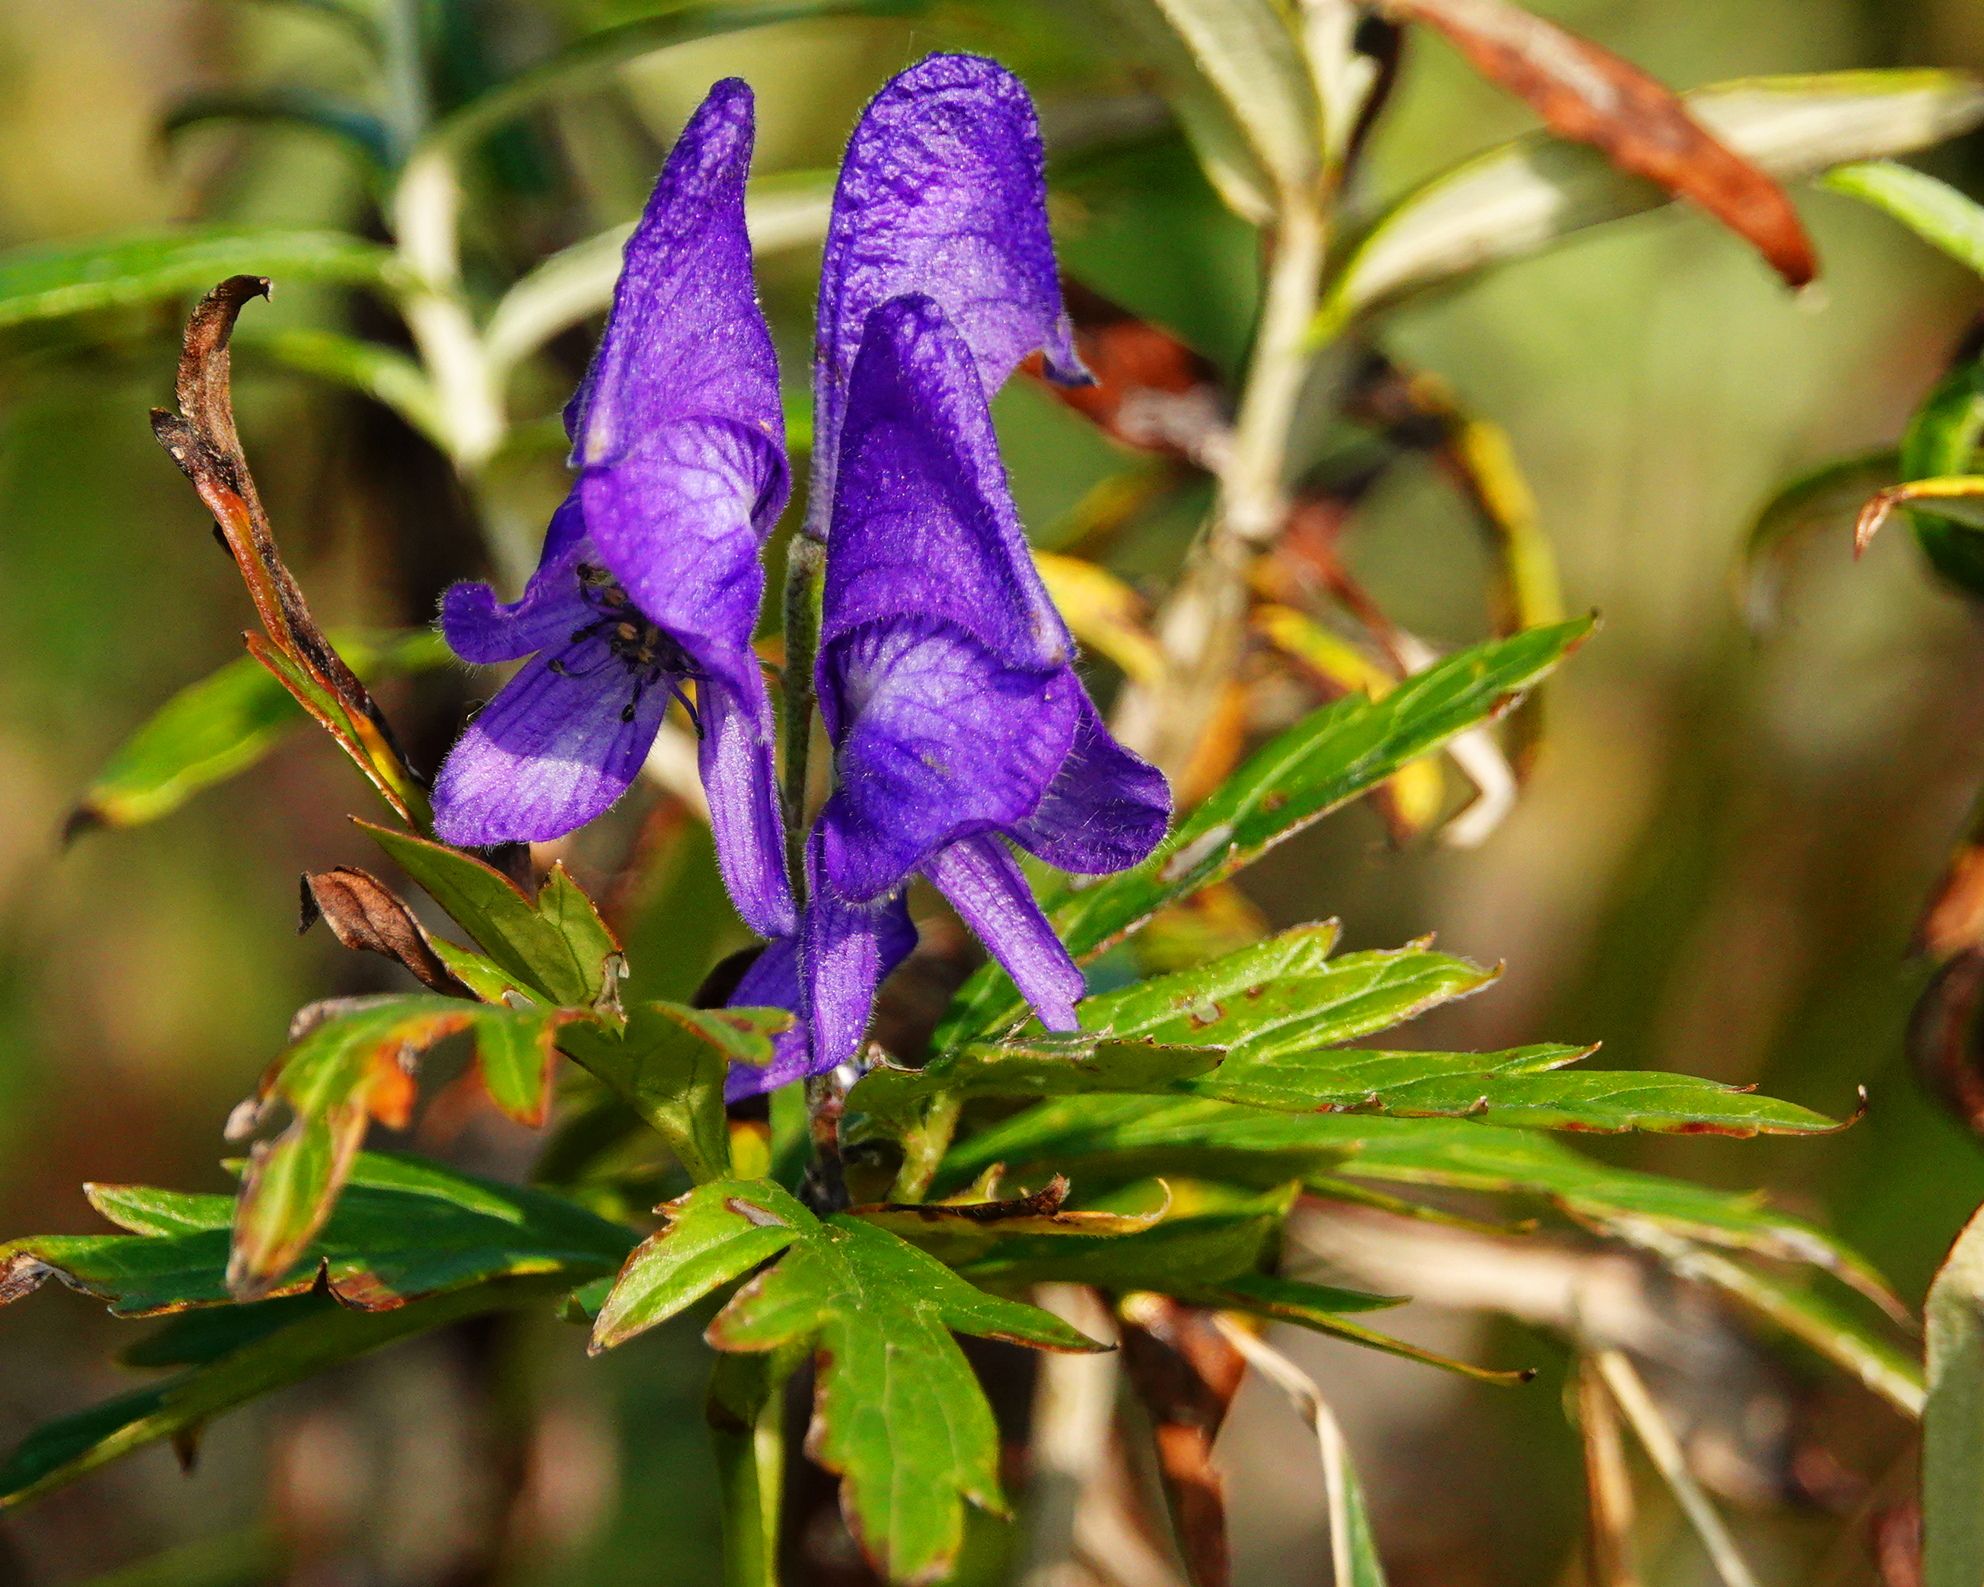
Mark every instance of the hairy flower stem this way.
pixel 923 1147
pixel 1203 625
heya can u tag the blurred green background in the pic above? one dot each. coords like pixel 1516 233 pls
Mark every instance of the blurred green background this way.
pixel 1716 867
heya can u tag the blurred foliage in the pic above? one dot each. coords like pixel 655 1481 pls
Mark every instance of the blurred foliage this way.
pixel 1716 863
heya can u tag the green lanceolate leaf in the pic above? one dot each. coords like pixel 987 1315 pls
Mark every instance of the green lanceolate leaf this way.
pixel 47 283
pixel 354 1066
pixel 1933 210
pixel 386 375
pixel 1027 1066
pixel 668 1062
pixel 352 126
pixel 556 945
pixel 1234 74
pixel 895 1395
pixel 1139 1136
pixel 212 730
pixel 402 1231
pixel 1534 191
pixel 715 1235
pixel 318 1337
pixel 1321 763
pixel 1319 1307
pixel 1953 1418
pixel 1284 996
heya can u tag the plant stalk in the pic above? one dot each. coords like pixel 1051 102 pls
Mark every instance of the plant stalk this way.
pixel 1203 625
pixel 746 1413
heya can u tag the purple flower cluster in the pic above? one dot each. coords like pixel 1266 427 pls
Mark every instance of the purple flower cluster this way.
pixel 945 676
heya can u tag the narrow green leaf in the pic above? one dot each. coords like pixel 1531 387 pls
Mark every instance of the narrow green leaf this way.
pixel 1136 1135
pixel 1527 194
pixel 1933 210
pixel 596 57
pixel 357 129
pixel 1234 73
pixel 45 283
pixel 715 1234
pixel 1178 1256
pixel 1282 997
pixel 895 1393
pixel 1318 1308
pixel 59 1452
pixel 1953 1418
pixel 1037 1066
pixel 556 944
pixel 1321 763
pixel 386 375
pixel 403 1230
pixel 225 723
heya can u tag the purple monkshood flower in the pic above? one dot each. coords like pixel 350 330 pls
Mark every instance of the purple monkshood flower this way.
pixel 650 576
pixel 947 683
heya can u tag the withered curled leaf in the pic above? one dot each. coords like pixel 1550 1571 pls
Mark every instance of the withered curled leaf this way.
pixel 202 439
pixel 1186 1372
pixel 366 915
pixel 1589 95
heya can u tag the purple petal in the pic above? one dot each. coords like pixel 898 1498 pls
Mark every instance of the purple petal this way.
pixel 482 630
pixel 941 192
pixel 845 949
pixel 673 519
pixel 935 740
pixel 738 776
pixel 550 752
pixel 773 982
pixel 984 884
pixel 1104 811
pixel 923 521
pixel 685 337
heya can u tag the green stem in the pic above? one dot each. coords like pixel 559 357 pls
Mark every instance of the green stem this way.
pixel 924 1146
pixel 746 1411
pixel 1203 625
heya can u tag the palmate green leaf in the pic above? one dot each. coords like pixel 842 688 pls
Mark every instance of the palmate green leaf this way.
pixel 1321 763
pixel 318 1337
pixel 216 728
pixel 897 1411
pixel 1933 210
pixel 556 944
pixel 47 283
pixel 1233 72
pixel 1953 1417
pixel 354 1066
pixel 715 1234
pixel 402 1231
pixel 1532 192
pixel 1137 1136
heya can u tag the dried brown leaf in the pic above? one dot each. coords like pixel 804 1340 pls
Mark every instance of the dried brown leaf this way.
pixel 1589 95
pixel 1186 1373
pixel 366 915
pixel 202 439
pixel 1943 1037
